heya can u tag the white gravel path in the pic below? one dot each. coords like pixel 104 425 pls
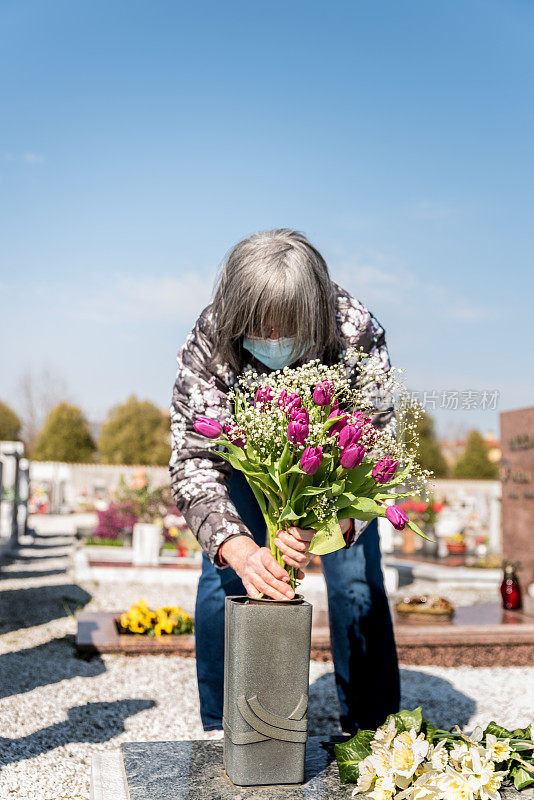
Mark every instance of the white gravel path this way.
pixel 56 709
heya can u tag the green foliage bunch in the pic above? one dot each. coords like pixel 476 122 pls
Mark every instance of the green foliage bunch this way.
pixel 65 436
pixel 474 461
pixel 10 424
pixel 135 432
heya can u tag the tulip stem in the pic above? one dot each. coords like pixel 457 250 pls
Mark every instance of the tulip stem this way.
pixel 272 529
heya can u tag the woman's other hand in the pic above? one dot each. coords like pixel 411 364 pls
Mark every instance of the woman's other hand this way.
pixel 294 545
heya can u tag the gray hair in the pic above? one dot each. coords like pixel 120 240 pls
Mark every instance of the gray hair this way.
pixel 276 278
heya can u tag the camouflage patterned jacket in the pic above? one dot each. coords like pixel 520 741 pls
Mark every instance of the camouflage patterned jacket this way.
pixel 199 477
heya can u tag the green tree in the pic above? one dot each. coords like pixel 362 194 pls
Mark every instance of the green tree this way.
pixel 136 432
pixel 474 461
pixel 10 424
pixel 65 436
pixel 430 453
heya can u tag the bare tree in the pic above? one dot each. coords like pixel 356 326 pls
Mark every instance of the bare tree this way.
pixel 35 394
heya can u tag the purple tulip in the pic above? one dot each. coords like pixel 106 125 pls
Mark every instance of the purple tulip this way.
pixel 293 401
pixel 323 393
pixel 207 427
pixel 263 396
pixel 310 460
pixel 297 432
pixel 337 426
pixel 282 399
pixel 348 435
pixel 352 456
pixel 299 415
pixel 384 469
pixel 397 517
pixel 233 435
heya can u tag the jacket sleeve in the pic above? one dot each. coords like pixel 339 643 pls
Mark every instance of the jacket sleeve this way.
pixel 359 328
pixel 199 477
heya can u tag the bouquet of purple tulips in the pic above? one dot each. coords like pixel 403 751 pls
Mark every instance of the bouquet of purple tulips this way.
pixel 304 439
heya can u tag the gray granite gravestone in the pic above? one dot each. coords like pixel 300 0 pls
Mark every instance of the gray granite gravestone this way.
pixel 193 770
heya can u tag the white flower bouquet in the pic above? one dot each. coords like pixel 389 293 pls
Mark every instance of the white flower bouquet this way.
pixel 409 759
pixel 304 439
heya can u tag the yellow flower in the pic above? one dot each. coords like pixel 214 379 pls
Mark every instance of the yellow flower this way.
pixel 167 619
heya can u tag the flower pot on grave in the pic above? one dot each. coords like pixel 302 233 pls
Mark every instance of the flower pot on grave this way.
pixel 266 675
pixel 146 544
pixel 456 548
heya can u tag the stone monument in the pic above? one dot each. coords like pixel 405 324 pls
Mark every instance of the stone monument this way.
pixel 517 479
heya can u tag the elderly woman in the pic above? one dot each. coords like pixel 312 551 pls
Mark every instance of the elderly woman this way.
pixel 275 305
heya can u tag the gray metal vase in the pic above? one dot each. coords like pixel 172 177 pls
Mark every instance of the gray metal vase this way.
pixel 266 677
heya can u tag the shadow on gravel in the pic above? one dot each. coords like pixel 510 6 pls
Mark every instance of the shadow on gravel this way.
pixel 442 703
pixel 34 556
pixel 46 663
pixel 30 573
pixel 323 707
pixel 92 722
pixel 24 608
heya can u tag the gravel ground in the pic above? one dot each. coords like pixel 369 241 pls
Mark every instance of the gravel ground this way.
pixel 56 709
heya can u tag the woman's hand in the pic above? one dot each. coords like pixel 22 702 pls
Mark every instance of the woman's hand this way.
pixel 294 544
pixel 258 570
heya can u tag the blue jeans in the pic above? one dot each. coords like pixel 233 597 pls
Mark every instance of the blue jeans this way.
pixel 361 631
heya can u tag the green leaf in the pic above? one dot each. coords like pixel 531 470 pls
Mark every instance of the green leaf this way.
pixel 416 529
pixel 289 515
pixel 349 754
pixel 345 499
pixel 399 477
pixel 273 472
pixel 284 458
pixel 308 491
pixel 337 487
pixel 497 730
pixel 329 422
pixel 363 508
pixel 408 720
pixel 355 477
pixel 522 777
pixel 260 497
pixel 429 730
pixel 295 468
pixel 327 540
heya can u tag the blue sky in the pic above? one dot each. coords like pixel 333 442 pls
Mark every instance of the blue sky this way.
pixel 139 141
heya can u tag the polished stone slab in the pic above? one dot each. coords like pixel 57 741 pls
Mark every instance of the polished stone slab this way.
pixel 193 770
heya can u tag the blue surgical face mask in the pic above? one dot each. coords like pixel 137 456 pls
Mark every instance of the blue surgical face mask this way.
pixel 274 353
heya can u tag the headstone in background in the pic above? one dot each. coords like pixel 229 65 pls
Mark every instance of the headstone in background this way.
pixel 23 496
pixel 11 453
pixel 517 478
pixel 146 544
